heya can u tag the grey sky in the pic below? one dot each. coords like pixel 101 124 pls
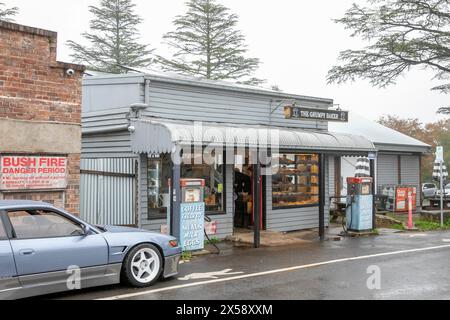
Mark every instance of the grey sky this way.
pixel 295 39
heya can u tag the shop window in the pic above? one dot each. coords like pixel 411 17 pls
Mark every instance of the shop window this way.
pixel 159 171
pixel 296 181
pixel 214 184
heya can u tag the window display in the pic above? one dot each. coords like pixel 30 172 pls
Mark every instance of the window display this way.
pixel 296 182
pixel 214 184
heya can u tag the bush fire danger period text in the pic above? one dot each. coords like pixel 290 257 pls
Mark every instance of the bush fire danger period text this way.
pixel 33 172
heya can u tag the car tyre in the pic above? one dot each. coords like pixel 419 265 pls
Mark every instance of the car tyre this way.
pixel 142 266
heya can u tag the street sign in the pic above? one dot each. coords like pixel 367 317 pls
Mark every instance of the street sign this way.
pixel 440 154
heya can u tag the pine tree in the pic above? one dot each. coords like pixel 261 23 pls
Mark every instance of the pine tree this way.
pixel 7 14
pixel 113 39
pixel 208 44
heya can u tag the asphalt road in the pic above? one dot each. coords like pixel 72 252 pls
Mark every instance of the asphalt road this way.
pixel 410 266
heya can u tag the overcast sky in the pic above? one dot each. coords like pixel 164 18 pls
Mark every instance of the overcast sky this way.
pixel 296 40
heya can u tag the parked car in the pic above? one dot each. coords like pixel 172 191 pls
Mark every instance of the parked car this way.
pixel 429 190
pixel 46 250
pixel 446 191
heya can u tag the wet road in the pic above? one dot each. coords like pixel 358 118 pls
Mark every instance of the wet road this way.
pixel 410 266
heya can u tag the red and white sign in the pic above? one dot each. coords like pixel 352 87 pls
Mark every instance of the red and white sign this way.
pixel 211 228
pixel 33 173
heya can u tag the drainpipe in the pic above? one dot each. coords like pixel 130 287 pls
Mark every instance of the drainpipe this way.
pixel 322 181
pixel 135 113
pixel 147 83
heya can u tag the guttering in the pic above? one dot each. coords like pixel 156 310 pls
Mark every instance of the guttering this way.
pixel 396 148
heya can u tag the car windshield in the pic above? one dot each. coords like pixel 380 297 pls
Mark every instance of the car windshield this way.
pixel 429 186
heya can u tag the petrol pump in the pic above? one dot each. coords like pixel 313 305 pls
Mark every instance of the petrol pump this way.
pixel 192 214
pixel 359 212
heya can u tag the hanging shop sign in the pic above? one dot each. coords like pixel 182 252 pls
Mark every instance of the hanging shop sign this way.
pixel 32 173
pixel 292 112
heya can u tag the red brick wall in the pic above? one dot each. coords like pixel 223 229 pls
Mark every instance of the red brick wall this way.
pixel 35 87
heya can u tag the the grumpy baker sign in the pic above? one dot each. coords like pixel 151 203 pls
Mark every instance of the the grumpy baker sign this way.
pixel 302 113
pixel 32 173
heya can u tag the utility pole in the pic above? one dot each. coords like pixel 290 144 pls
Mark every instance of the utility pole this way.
pixel 440 159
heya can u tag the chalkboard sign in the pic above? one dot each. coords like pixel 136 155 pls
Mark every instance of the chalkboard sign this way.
pixel 316 114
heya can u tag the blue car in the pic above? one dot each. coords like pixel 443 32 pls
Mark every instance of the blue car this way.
pixel 46 250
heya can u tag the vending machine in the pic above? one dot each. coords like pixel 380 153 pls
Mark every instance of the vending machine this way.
pixel 359 212
pixel 192 214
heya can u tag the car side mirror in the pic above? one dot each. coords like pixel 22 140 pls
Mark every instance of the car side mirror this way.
pixel 86 229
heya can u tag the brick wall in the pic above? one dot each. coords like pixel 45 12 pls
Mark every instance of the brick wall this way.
pixel 34 87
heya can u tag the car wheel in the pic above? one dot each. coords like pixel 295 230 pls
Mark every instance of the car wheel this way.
pixel 143 266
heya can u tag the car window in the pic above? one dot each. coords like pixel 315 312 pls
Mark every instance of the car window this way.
pixel 2 231
pixel 42 224
pixel 429 186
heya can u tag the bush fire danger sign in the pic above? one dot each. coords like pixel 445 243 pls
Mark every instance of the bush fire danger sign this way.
pixel 32 173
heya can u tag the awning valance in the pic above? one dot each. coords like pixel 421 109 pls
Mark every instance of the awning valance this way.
pixel 156 136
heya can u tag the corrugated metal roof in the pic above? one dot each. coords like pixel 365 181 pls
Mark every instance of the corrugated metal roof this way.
pixel 171 77
pixel 161 136
pixel 384 138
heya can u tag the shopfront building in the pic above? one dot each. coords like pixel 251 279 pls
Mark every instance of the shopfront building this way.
pixel 398 159
pixel 264 164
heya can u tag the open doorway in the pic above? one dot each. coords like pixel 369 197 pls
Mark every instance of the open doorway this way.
pixel 244 199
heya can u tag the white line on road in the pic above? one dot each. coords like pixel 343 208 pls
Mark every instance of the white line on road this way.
pixel 270 272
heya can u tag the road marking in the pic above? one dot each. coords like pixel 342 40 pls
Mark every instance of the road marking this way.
pixel 419 235
pixel 209 275
pixel 270 272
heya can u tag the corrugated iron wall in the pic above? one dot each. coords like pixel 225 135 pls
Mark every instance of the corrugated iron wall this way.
pixel 108 191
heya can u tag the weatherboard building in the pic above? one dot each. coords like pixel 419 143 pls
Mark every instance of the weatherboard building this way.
pixel 133 123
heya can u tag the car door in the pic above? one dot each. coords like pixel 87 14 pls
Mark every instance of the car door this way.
pixel 46 244
pixel 8 274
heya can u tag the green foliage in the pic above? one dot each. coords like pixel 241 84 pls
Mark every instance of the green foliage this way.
pixel 397 227
pixel 186 256
pixel 7 14
pixel 402 34
pixel 212 241
pixel 424 225
pixel 207 43
pixel 113 39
